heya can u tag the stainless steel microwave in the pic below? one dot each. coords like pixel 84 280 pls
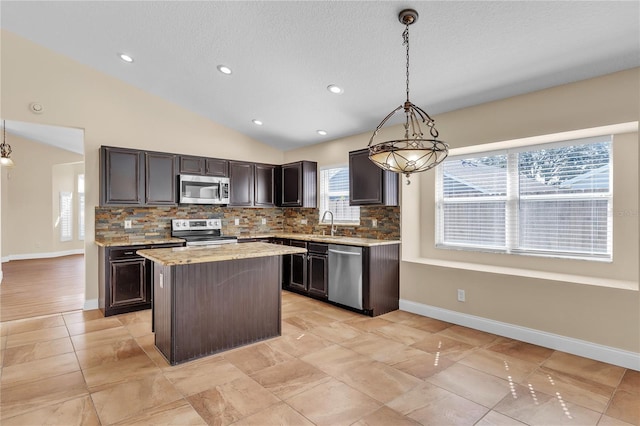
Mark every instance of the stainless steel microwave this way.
pixel 204 190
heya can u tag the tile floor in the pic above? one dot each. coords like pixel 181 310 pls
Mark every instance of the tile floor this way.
pixel 329 367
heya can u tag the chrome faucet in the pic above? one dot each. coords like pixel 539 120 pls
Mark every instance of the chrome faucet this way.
pixel 333 228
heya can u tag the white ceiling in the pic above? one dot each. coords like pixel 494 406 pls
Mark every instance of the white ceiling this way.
pixel 284 54
pixel 66 138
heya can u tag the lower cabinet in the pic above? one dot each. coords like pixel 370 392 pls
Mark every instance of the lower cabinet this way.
pixel 308 272
pixel 309 275
pixel 125 279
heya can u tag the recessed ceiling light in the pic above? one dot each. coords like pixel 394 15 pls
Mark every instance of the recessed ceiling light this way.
pixel 125 57
pixel 257 122
pixel 321 132
pixel 224 69
pixel 335 89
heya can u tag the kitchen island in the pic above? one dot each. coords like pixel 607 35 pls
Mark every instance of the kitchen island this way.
pixel 211 299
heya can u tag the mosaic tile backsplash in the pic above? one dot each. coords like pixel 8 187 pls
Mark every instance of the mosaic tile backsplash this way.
pixel 152 223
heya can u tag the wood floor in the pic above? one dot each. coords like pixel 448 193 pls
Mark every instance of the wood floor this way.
pixel 38 287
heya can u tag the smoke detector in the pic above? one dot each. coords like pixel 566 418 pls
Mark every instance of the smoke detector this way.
pixel 36 108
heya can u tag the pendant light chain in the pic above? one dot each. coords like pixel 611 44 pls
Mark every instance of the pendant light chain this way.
pixel 405 36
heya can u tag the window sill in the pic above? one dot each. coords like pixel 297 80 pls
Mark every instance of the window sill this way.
pixel 519 272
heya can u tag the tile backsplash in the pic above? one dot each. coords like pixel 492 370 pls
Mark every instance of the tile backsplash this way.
pixel 152 223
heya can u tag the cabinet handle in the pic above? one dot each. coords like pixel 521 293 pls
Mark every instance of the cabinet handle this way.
pixel 128 252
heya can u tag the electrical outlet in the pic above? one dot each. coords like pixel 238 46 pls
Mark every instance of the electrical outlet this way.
pixel 303 221
pixel 461 295
pixel 127 224
pixel 264 221
pixel 374 223
pixel 236 221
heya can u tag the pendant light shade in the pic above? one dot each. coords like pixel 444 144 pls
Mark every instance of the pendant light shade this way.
pixel 413 152
pixel 5 148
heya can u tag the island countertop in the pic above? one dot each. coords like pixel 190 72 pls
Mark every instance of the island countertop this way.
pixel 189 255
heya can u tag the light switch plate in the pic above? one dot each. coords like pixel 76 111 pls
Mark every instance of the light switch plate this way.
pixel 303 221
pixel 264 221
pixel 236 221
pixel 127 224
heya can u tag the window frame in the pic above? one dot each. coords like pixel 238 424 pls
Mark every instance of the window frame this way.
pixel 324 203
pixel 513 199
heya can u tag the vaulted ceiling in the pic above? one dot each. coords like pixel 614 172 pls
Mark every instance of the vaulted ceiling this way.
pixel 284 54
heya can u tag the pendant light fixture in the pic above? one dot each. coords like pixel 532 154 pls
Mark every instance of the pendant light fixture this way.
pixel 414 152
pixel 5 148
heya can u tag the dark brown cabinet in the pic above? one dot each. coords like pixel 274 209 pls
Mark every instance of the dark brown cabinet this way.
pixel 160 178
pixel 369 185
pixel 308 272
pixel 240 184
pixel 125 279
pixel 202 166
pixel 122 176
pixel 298 184
pixel 251 185
pixel 132 177
pixel 264 182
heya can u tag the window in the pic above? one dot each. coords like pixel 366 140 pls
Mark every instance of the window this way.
pixel 549 200
pixel 81 207
pixel 65 223
pixel 334 195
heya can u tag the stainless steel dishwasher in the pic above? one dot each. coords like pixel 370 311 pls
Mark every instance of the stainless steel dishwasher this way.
pixel 345 275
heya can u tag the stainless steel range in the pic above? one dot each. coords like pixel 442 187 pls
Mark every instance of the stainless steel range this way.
pixel 200 232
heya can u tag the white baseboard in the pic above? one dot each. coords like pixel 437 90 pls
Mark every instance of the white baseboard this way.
pixel 570 345
pixel 90 304
pixel 26 256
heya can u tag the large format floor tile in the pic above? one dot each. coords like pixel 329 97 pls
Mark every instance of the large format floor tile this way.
pixel 329 367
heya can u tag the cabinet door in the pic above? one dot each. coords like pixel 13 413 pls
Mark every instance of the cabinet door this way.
pixel 365 180
pixel 298 273
pixel 369 184
pixel 160 182
pixel 264 185
pixel 318 275
pixel 191 165
pixel 292 185
pixel 216 167
pixel 122 176
pixel 240 183
pixel 128 283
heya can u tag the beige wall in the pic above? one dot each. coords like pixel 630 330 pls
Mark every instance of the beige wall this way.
pixel 111 113
pixel 28 213
pixel 559 304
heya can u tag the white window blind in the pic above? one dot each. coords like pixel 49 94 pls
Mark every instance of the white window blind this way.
pixel 81 207
pixel 334 195
pixel 551 199
pixel 65 222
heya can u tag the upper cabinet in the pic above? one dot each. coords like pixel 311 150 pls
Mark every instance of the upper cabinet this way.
pixel 204 166
pixel 298 184
pixel 264 185
pixel 160 178
pixel 251 185
pixel 240 184
pixel 369 185
pixel 132 177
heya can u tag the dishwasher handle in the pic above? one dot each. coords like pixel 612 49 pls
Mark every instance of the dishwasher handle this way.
pixel 350 253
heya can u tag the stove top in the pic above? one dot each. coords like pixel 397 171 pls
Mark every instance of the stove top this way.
pixel 200 232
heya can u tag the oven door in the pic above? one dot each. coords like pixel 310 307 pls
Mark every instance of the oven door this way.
pixel 203 190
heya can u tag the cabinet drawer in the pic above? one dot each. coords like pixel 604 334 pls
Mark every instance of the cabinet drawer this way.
pixel 124 253
pixel 296 243
pixel 318 248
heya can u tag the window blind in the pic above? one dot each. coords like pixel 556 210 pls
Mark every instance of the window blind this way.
pixel 81 207
pixel 65 224
pixel 552 199
pixel 334 195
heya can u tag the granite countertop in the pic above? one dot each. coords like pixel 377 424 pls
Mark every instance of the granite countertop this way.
pixel 137 242
pixel 187 255
pixel 348 241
